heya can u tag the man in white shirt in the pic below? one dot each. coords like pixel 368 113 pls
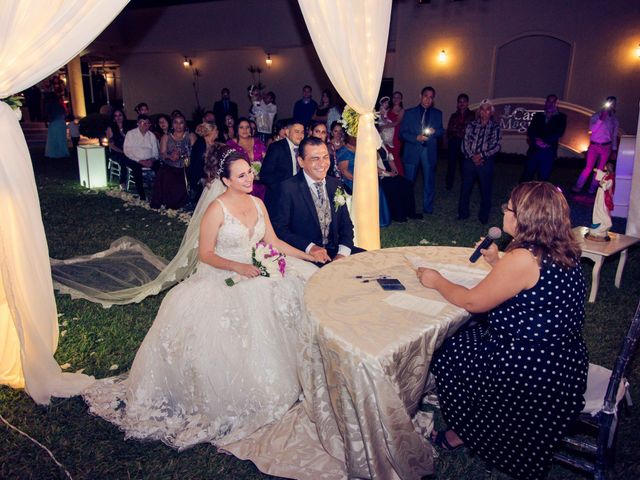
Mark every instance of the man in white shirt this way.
pixel 603 144
pixel 141 150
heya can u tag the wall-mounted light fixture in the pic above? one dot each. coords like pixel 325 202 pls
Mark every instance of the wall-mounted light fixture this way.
pixel 187 62
pixel 442 56
pixel 268 61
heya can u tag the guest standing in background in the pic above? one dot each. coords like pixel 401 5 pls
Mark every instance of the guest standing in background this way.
pixel 56 146
pixel 73 126
pixel 170 187
pixel 162 126
pixel 322 112
pixel 395 115
pixel 385 124
pixel 264 111
pixel 544 133
pixel 142 109
pixel 224 107
pixel 480 146
pixel 420 129
pixel 346 160
pixel 208 117
pixel 253 150
pixel 281 162
pixel 280 130
pixel 319 130
pixel 603 145
pixel 116 133
pixel 455 134
pixel 141 150
pixel 304 108
pixel 396 189
pixel 510 387
pixel 207 135
pixel 229 130
pixel 336 142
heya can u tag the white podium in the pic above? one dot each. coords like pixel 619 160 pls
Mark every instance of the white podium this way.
pixel 92 165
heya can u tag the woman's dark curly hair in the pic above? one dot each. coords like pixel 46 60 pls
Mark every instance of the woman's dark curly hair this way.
pixel 218 161
pixel 543 223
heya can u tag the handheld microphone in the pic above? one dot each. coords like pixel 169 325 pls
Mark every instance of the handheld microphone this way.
pixel 494 234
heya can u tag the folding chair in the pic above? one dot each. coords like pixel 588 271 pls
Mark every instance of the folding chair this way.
pixel 606 390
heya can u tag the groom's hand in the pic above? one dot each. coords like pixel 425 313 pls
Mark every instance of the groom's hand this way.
pixel 319 254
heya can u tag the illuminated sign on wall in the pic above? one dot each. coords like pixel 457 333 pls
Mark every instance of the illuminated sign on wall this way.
pixel 515 119
pixel 515 114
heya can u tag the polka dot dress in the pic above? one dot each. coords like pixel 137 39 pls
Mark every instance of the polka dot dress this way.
pixel 511 388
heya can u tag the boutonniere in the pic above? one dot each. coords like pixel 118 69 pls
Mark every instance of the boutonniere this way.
pixel 339 198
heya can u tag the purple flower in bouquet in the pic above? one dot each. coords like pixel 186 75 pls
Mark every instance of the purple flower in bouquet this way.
pixel 268 260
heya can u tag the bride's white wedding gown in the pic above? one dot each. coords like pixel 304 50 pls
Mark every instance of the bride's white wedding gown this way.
pixel 219 362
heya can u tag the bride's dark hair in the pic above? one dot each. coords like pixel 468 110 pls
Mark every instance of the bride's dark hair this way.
pixel 218 160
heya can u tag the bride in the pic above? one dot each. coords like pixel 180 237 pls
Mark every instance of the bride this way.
pixel 219 362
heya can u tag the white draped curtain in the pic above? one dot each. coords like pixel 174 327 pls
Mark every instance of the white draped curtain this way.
pixel 36 38
pixel 351 40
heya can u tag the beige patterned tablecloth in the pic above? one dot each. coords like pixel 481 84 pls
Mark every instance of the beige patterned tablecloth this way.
pixel 363 366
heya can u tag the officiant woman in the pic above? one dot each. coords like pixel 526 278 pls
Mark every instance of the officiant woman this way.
pixel 509 388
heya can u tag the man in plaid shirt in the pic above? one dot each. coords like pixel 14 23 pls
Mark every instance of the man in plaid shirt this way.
pixel 480 145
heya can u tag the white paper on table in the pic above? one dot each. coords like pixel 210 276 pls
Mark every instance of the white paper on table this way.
pixel 462 275
pixel 415 304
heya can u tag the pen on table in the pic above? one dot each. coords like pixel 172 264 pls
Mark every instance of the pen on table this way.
pixel 370 276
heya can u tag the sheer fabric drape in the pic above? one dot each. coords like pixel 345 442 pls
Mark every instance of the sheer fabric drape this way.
pixel 128 272
pixel 351 41
pixel 36 38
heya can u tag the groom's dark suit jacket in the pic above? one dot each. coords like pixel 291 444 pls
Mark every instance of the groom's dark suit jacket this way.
pixel 295 219
pixel 277 166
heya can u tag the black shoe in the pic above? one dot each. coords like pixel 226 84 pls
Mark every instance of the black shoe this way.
pixel 416 216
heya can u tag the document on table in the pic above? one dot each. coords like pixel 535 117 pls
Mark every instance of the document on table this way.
pixel 415 304
pixel 462 275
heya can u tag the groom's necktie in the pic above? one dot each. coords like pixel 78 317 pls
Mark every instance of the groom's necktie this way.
pixel 323 209
pixel 296 167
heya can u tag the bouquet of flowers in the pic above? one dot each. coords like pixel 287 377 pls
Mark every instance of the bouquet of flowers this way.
pixel 268 260
pixel 256 167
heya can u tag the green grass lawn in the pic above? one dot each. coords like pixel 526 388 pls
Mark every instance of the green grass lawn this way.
pixel 104 342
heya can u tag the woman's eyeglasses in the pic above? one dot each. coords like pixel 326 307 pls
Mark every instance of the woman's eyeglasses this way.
pixel 505 208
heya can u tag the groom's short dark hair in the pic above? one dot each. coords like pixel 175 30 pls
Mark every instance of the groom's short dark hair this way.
pixel 313 141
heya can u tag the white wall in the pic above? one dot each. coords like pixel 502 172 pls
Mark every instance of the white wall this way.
pixel 160 79
pixel 226 36
pixel 604 34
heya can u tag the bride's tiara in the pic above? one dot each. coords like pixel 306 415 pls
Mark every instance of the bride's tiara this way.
pixel 222 160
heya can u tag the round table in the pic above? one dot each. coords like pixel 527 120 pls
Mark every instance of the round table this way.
pixel 362 364
pixel 375 356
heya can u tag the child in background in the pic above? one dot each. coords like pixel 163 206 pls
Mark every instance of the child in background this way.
pixel 73 126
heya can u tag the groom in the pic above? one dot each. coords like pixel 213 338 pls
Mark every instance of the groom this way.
pixel 308 214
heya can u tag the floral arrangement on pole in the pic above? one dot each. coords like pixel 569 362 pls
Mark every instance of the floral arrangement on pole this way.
pixel 15 102
pixel 350 120
pixel 268 260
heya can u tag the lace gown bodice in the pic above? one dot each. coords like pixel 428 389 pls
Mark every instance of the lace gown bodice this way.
pixel 235 239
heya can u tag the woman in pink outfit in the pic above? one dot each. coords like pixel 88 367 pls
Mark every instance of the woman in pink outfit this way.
pixel 253 149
